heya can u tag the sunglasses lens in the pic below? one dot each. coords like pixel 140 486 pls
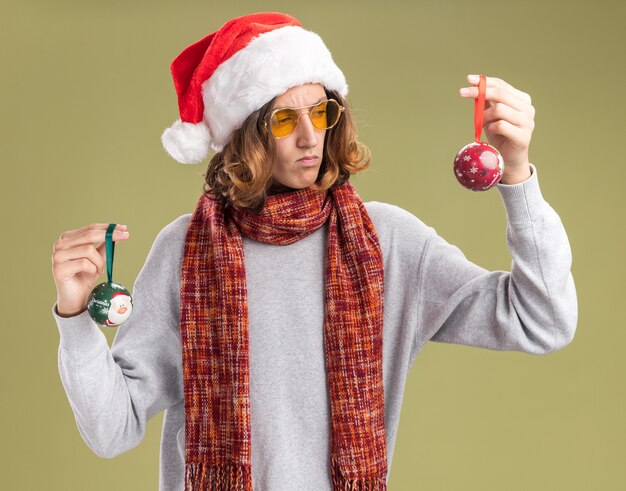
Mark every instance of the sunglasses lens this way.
pixel 325 114
pixel 284 122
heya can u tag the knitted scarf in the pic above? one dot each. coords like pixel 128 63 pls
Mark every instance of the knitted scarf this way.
pixel 214 335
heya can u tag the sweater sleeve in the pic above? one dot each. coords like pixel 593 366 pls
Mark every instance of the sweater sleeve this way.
pixel 533 308
pixel 114 392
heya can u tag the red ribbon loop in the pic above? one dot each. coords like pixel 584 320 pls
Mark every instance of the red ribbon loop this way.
pixel 479 108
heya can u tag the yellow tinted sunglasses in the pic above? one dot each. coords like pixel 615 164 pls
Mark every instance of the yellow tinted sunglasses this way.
pixel 324 115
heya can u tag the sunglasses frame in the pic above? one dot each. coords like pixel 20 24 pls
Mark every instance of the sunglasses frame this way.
pixel 298 114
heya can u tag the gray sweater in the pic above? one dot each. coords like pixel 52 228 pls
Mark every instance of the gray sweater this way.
pixel 432 293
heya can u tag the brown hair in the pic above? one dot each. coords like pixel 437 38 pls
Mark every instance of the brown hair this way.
pixel 241 174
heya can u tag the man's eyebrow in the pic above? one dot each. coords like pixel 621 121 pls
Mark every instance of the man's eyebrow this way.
pixel 316 102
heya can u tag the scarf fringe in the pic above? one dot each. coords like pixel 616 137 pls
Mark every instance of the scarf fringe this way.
pixel 200 476
pixel 340 483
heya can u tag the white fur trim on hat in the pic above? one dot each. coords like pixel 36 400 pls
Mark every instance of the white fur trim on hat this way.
pixel 268 66
pixel 187 143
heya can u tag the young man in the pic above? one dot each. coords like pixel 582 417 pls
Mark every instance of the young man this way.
pixel 277 323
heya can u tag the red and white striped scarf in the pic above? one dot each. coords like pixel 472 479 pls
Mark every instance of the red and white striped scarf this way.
pixel 214 334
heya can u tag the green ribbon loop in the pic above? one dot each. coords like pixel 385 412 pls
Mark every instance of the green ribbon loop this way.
pixel 110 248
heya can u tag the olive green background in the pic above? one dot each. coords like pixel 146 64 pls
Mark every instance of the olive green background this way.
pixel 86 93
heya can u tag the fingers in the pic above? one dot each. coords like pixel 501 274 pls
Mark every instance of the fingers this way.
pixel 93 226
pixel 507 113
pixel 76 250
pixel 513 133
pixel 497 90
pixel 76 259
pixel 92 234
pixel 498 94
pixel 82 264
pixel 498 82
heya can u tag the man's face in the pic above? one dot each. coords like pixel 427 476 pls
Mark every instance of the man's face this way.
pixel 305 140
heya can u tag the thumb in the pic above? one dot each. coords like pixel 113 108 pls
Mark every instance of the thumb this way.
pixel 102 250
pixel 103 254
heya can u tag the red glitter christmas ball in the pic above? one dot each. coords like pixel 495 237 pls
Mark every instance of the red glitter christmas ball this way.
pixel 478 166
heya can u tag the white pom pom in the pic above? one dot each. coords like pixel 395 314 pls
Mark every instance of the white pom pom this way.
pixel 187 143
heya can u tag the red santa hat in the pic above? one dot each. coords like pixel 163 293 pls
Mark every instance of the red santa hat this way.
pixel 223 78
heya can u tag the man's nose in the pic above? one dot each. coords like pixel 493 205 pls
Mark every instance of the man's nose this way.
pixel 307 132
